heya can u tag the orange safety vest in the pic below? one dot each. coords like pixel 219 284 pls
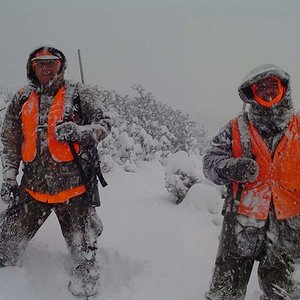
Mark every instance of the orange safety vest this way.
pixel 279 176
pixel 60 151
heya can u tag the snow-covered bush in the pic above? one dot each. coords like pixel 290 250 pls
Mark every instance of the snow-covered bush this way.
pixel 5 95
pixel 147 144
pixel 182 171
pixel 155 128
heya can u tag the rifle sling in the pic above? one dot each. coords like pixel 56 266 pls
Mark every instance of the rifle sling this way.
pixel 78 164
pixel 81 171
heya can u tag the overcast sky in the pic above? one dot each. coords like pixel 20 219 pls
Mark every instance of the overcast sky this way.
pixel 191 54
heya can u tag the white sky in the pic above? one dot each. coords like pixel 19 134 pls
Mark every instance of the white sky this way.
pixel 191 54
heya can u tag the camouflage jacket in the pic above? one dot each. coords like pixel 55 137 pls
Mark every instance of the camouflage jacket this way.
pixel 44 174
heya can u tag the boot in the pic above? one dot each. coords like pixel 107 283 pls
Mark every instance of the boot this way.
pixel 85 281
pixel 82 288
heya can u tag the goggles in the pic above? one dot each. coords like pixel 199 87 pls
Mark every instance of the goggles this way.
pixel 270 83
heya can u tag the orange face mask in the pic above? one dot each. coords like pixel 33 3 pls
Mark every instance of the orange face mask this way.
pixel 280 93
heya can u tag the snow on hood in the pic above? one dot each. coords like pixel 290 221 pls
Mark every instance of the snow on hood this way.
pixel 258 74
pixel 270 121
pixel 51 48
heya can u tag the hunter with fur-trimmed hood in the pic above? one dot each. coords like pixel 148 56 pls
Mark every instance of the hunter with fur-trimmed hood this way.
pixel 256 156
pixel 51 129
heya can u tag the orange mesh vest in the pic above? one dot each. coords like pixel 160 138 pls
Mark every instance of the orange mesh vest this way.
pixel 279 176
pixel 60 151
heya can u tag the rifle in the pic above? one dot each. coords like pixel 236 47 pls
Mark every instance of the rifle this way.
pixel 246 148
pixel 231 201
pixel 80 66
pixel 91 183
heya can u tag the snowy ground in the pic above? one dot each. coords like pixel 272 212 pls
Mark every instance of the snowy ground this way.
pixel 150 248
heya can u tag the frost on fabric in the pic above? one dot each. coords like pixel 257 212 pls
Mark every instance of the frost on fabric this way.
pixel 253 199
pixel 245 221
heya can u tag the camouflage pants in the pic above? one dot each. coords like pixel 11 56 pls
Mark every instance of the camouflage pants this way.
pixel 79 222
pixel 243 240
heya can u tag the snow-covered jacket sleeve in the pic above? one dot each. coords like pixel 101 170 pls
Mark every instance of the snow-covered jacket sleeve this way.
pixel 11 138
pixel 98 124
pixel 217 156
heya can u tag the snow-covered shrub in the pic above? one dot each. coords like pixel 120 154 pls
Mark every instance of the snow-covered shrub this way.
pixel 5 95
pixel 107 151
pixel 125 152
pixel 157 127
pixel 147 144
pixel 182 171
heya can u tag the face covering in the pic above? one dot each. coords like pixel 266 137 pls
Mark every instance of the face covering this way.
pixel 268 92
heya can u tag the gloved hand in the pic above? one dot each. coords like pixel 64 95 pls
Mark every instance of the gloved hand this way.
pixel 68 131
pixel 241 169
pixel 106 122
pixel 9 191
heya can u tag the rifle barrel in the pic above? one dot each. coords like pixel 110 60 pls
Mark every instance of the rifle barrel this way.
pixel 80 66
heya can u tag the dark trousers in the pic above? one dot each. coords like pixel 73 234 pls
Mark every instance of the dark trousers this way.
pixel 231 277
pixel 241 244
pixel 79 222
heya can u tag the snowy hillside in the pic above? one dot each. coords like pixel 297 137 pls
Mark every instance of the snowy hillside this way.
pixel 150 248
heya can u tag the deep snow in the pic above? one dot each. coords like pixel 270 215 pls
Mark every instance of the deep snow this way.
pixel 150 249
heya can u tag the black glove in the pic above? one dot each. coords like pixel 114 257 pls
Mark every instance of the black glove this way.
pixel 241 169
pixel 68 131
pixel 9 191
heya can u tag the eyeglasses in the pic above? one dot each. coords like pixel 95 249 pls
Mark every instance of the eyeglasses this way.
pixel 46 63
